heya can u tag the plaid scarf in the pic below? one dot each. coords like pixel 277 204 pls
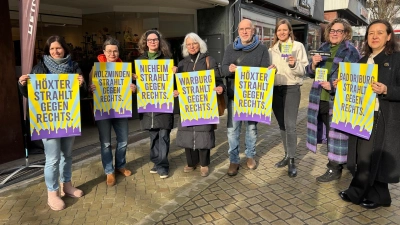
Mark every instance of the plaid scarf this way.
pixel 57 66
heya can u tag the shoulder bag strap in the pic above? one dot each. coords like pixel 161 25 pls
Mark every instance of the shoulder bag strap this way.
pixel 240 59
pixel 208 62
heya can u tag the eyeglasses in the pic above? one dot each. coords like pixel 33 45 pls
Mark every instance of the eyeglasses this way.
pixel 111 52
pixel 332 31
pixel 247 29
pixel 153 40
pixel 192 44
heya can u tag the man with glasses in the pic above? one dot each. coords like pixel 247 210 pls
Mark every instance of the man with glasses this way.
pixel 246 50
pixel 338 34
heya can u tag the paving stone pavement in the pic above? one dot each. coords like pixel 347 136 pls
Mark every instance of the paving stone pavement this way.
pixel 262 196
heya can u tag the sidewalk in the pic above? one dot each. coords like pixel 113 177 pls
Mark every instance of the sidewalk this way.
pixel 262 196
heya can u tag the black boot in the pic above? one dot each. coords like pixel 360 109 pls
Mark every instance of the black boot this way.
pixel 283 162
pixel 330 175
pixel 292 172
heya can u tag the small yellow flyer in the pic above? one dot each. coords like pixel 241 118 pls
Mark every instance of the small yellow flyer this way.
pixel 321 74
pixel 286 49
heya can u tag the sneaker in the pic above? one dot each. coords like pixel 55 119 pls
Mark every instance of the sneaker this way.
pixel 153 170
pixel 329 175
pixel 163 175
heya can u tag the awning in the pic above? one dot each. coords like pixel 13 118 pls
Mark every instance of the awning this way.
pixel 217 2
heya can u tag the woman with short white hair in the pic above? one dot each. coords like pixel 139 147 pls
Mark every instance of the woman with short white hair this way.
pixel 197 140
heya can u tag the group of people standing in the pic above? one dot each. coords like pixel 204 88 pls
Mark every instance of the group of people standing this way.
pixel 373 163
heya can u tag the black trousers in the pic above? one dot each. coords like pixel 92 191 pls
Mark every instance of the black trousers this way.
pixel 323 115
pixel 196 156
pixel 360 187
pixel 159 148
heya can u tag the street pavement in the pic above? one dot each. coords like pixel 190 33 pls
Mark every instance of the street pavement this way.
pixel 262 196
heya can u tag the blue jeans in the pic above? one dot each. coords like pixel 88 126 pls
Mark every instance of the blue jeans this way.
pixel 120 126
pixel 58 161
pixel 159 148
pixel 234 136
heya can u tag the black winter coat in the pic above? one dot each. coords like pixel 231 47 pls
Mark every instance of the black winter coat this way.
pixel 41 68
pixel 201 136
pixel 156 120
pixel 385 163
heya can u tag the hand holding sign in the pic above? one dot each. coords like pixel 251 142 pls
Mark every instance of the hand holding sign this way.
pixel 219 90
pixel 23 79
pixel 379 88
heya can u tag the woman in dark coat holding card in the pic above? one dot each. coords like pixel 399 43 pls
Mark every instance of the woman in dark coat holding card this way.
pixel 197 140
pixel 376 162
pixel 153 46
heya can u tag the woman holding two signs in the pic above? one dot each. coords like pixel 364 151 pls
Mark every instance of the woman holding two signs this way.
pixel 338 47
pixel 289 57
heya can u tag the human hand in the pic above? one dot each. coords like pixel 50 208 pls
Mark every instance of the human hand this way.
pixel 379 88
pixel 335 82
pixel 325 85
pixel 175 69
pixel 219 90
pixel 133 88
pixel 315 60
pixel 176 93
pixel 134 76
pixel 92 88
pixel 23 79
pixel 81 80
pixel 232 68
pixel 292 61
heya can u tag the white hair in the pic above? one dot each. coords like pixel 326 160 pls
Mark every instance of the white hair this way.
pixel 195 38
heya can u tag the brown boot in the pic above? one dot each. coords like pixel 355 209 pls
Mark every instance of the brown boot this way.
pixel 54 201
pixel 111 179
pixel 251 163
pixel 69 190
pixel 204 171
pixel 124 172
pixel 233 169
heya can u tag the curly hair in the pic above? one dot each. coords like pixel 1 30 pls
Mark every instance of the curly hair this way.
pixel 348 31
pixel 391 45
pixel 280 22
pixel 162 46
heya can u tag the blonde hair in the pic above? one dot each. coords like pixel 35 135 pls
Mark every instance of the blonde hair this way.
pixel 280 22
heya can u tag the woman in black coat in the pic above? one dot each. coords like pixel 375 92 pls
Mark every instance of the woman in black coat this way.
pixel 159 125
pixel 375 162
pixel 197 140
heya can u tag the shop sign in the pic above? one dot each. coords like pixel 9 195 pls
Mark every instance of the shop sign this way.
pixel 363 12
pixel 304 7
